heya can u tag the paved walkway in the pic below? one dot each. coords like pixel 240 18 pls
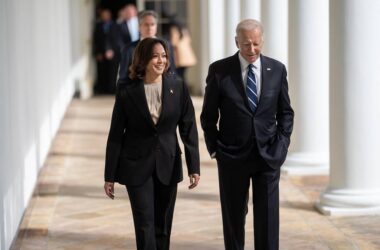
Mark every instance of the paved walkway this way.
pixel 69 209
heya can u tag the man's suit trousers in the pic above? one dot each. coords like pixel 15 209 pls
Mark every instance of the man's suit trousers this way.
pixel 234 181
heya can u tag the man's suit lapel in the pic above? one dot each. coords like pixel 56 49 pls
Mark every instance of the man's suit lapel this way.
pixel 237 78
pixel 137 94
pixel 238 81
pixel 266 74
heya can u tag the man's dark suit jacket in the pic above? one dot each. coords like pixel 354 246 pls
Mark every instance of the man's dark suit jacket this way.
pixel 270 126
pixel 125 35
pixel 126 61
pixel 105 40
pixel 136 146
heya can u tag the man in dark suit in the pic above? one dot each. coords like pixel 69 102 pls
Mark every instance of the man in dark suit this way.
pixel 106 51
pixel 148 20
pixel 247 97
pixel 128 24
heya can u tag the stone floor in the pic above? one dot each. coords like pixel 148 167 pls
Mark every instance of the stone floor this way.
pixel 69 209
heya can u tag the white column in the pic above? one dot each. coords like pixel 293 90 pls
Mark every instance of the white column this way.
pixel 208 36
pixel 308 79
pixel 250 9
pixel 274 16
pixel 232 18
pixel 199 29
pixel 216 45
pixel 354 186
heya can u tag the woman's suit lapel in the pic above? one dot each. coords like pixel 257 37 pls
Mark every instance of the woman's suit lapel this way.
pixel 136 93
pixel 167 89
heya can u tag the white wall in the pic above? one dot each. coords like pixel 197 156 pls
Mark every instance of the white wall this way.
pixel 38 68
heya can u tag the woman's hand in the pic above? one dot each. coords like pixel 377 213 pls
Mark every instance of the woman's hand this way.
pixel 194 179
pixel 109 189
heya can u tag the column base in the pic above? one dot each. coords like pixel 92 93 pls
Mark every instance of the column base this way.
pixel 342 202
pixel 306 164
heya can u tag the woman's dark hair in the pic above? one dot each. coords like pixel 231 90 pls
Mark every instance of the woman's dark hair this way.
pixel 142 56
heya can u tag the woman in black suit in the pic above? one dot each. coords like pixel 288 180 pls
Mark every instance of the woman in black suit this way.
pixel 142 148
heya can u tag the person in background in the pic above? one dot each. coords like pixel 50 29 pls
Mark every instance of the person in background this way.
pixel 129 25
pixel 143 152
pixel 106 52
pixel 179 36
pixel 148 20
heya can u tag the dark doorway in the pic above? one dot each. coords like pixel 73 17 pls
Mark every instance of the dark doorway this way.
pixel 113 5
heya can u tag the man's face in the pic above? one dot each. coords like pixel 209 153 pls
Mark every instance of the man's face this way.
pixel 105 15
pixel 250 43
pixel 130 12
pixel 148 27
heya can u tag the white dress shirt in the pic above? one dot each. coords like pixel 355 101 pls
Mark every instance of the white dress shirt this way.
pixel 256 70
pixel 133 27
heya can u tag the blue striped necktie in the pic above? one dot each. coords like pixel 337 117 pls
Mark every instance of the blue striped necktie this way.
pixel 251 88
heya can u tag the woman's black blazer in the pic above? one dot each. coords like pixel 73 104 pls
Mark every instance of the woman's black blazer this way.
pixel 136 147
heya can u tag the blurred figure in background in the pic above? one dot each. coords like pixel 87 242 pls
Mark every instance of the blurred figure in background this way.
pixel 106 51
pixel 148 20
pixel 179 36
pixel 129 25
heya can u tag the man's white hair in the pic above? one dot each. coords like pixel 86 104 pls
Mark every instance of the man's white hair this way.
pixel 249 24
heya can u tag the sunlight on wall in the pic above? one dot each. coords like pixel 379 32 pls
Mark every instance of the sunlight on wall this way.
pixel 83 70
pixel 56 112
pixel 9 209
pixel 30 173
pixel 1 238
pixel 44 139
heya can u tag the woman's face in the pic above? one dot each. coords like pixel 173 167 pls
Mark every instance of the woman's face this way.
pixel 156 65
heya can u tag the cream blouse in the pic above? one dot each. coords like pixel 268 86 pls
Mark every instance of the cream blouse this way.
pixel 153 93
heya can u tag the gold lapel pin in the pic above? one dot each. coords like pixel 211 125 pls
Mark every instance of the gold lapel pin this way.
pixel 171 91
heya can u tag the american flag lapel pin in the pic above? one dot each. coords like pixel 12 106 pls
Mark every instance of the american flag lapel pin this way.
pixel 171 91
